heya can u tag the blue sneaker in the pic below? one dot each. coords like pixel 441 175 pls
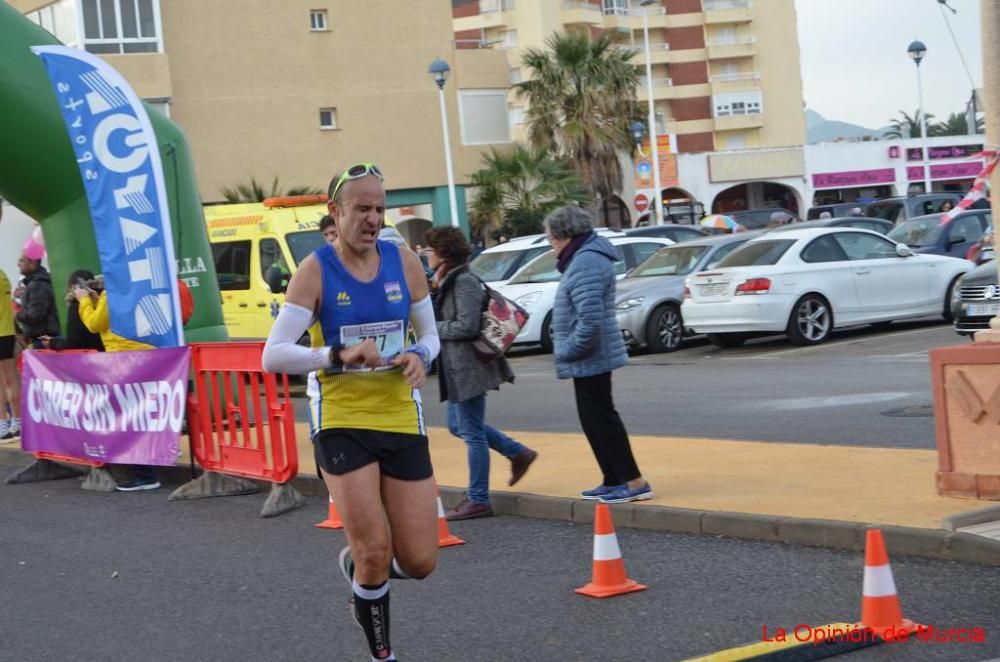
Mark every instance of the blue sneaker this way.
pixel 623 494
pixel 598 492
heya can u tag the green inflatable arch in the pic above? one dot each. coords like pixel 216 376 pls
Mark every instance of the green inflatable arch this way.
pixel 39 175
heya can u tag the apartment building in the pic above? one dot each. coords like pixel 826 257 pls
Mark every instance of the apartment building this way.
pixel 725 72
pixel 298 89
pixel 725 78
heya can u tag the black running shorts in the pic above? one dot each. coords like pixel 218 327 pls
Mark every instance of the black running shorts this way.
pixel 401 456
pixel 6 347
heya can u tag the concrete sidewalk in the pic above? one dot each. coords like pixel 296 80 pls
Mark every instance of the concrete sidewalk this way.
pixel 796 493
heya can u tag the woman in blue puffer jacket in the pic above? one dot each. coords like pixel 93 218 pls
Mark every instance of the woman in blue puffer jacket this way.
pixel 589 346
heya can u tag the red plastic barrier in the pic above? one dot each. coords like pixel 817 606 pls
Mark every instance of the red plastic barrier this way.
pixel 248 430
pixel 58 457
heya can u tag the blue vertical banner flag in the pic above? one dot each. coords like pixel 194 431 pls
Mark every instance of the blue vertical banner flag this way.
pixel 122 174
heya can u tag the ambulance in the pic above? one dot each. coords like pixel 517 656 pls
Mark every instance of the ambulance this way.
pixel 257 247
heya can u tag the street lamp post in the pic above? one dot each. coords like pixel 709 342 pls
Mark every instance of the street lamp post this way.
pixel 439 71
pixel 917 51
pixel 654 143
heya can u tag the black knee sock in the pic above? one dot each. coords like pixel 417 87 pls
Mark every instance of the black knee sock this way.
pixel 371 607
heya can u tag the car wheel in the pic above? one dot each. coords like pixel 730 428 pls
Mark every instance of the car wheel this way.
pixel 811 321
pixel 946 313
pixel 546 338
pixel 727 339
pixel 665 329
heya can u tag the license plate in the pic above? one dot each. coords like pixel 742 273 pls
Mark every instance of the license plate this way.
pixel 978 309
pixel 714 289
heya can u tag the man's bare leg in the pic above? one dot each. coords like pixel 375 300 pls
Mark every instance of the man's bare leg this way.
pixel 10 383
pixel 4 390
pixel 359 502
pixel 12 380
pixel 411 508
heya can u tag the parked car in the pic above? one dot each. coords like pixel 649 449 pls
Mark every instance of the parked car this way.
pixel 649 297
pixel 879 225
pixel 902 208
pixel 982 250
pixel 805 283
pixel 534 286
pixel 976 299
pixel 757 219
pixel 671 231
pixel 836 210
pixel 937 235
pixel 497 264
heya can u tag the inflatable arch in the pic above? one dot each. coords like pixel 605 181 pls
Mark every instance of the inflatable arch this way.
pixel 40 176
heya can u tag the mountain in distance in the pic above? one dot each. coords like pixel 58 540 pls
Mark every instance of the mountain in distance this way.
pixel 821 130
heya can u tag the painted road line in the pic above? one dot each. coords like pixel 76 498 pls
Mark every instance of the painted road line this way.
pixel 803 643
pixel 882 338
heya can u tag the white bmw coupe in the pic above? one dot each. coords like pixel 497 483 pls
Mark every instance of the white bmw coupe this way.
pixel 806 283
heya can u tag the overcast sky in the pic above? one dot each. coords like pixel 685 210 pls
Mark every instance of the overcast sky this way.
pixel 854 62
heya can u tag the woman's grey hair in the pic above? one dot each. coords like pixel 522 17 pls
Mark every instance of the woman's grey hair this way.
pixel 569 222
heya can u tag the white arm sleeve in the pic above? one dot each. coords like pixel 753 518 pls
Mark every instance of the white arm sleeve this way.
pixel 282 353
pixel 424 327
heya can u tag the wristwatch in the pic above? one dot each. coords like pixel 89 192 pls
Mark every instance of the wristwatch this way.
pixel 335 360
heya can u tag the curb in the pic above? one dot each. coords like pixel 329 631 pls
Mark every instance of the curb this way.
pixel 972 517
pixel 947 544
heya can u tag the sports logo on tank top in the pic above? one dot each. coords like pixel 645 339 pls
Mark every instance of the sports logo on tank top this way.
pixel 393 292
pixel 343 298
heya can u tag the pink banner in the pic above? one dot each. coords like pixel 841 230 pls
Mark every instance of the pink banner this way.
pixel 119 408
pixel 967 170
pixel 854 178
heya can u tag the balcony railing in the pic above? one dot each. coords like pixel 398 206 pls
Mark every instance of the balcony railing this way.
pixel 734 78
pixel 461 44
pixel 581 4
pixel 740 41
pixel 657 82
pixel 487 6
pixel 722 5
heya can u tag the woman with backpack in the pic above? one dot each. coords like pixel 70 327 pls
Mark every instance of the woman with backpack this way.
pixel 465 378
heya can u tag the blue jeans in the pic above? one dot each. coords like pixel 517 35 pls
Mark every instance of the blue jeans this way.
pixel 467 419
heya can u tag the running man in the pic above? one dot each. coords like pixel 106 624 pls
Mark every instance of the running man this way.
pixel 371 444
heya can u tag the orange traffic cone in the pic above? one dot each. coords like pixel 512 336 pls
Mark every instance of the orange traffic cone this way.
pixel 880 608
pixel 445 537
pixel 332 520
pixel 609 570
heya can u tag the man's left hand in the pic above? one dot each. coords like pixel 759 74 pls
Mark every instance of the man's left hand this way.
pixel 413 368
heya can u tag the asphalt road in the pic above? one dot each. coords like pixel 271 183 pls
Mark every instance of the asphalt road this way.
pixel 864 387
pixel 106 577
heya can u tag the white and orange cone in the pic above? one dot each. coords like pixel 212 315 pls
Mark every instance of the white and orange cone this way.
pixel 880 607
pixel 445 537
pixel 332 520
pixel 609 577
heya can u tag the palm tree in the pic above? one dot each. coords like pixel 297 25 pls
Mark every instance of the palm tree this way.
pixel 581 99
pixel 908 126
pixel 252 191
pixel 516 189
pixel 956 125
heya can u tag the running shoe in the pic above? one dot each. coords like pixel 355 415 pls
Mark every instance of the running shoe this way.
pixel 346 563
pixel 137 484
pixel 598 492
pixel 624 494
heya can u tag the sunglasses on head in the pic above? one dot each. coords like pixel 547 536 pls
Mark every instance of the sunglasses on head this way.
pixel 356 171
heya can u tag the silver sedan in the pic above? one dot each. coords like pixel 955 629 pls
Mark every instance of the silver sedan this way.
pixel 648 301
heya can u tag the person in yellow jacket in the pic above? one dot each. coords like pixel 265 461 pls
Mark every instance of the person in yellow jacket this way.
pixel 95 316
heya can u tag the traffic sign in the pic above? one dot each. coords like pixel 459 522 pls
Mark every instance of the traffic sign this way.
pixel 641 202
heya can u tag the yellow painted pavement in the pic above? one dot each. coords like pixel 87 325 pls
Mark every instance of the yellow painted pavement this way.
pixel 847 483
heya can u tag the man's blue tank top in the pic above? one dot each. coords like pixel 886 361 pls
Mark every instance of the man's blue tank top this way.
pixel 352 311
